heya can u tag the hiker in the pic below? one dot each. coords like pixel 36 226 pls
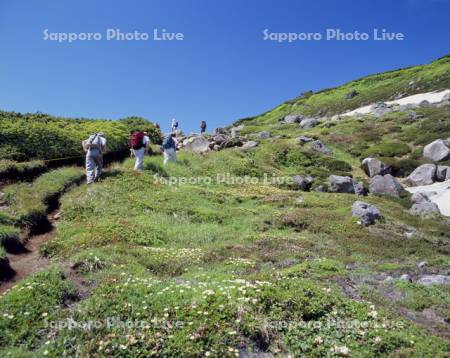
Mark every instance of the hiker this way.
pixel 174 124
pixel 169 147
pixel 202 127
pixel 157 126
pixel 139 143
pixel 94 148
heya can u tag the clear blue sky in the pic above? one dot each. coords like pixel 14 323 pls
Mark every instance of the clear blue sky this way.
pixel 222 71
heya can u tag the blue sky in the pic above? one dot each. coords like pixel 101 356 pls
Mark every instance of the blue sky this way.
pixel 223 69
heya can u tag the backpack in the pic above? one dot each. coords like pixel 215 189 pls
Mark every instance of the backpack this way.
pixel 137 140
pixel 93 142
pixel 168 143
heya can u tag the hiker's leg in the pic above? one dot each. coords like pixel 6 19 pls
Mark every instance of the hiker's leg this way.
pixel 171 155
pixel 166 156
pixel 90 169
pixel 139 163
pixel 99 164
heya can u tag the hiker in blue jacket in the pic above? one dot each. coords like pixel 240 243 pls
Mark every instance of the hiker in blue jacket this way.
pixel 94 147
pixel 169 148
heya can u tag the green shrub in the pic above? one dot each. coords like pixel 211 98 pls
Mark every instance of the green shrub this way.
pixel 388 149
pixel 30 136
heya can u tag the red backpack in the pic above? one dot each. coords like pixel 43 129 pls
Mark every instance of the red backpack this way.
pixel 137 140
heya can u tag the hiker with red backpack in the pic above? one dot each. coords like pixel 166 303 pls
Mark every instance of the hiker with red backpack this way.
pixel 139 144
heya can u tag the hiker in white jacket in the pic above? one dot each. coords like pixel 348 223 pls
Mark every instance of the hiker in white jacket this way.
pixel 94 147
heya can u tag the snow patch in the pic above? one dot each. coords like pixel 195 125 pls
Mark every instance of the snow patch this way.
pixel 438 193
pixel 432 97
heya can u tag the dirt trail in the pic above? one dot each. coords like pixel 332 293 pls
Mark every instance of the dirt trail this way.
pixel 28 262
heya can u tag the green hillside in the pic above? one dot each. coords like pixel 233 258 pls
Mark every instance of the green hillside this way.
pixel 175 261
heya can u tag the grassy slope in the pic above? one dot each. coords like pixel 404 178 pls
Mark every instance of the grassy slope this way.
pixel 225 259
pixel 379 87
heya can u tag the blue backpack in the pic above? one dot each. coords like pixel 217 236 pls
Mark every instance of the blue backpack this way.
pixel 168 143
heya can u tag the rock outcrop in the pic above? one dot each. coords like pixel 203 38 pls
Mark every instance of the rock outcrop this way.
pixel 373 166
pixel 367 213
pixel 320 147
pixel 437 151
pixel 423 206
pixel 429 280
pixel 422 175
pixel 309 123
pixel 302 183
pixel 386 185
pixel 340 184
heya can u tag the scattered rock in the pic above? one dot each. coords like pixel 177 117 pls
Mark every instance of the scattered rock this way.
pixel 340 184
pixel 303 182
pixel 321 189
pixel 405 277
pixel 437 151
pixel 249 145
pixel 236 131
pixel 197 144
pixel 366 212
pixel 422 264
pixel 351 266
pixel 429 280
pixel 442 173
pixel 220 130
pixel 309 122
pixel 263 135
pixel 293 118
pixel 219 139
pixel 423 206
pixel 231 142
pixel 351 94
pixel 320 147
pixel 360 189
pixel 386 185
pixel 373 166
pixel 425 104
pixel 422 175
pixel 302 139
pixel 379 109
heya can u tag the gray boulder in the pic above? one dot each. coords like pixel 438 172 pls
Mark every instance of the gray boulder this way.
pixel 309 122
pixel 236 131
pixel 360 189
pixel 318 146
pixel 442 173
pixel 351 94
pixel 422 175
pixel 340 184
pixel 302 139
pixel 263 135
pixel 367 213
pixel 197 144
pixel 231 142
pixel 292 118
pixel 437 151
pixel 220 130
pixel 423 206
pixel 219 139
pixel 249 145
pixel 303 182
pixel 429 280
pixel 379 109
pixel 386 185
pixel 373 166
